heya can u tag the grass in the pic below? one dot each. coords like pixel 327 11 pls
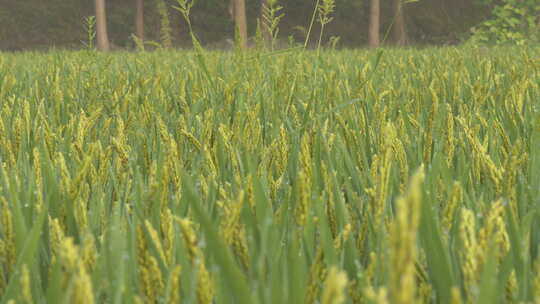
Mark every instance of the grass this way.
pixel 293 178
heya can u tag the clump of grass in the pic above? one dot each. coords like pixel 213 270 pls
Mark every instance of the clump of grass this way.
pixel 89 26
pixel 165 28
pixel 139 44
pixel 271 16
pixel 325 12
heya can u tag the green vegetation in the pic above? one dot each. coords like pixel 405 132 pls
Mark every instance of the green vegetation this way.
pixel 339 177
pixel 512 22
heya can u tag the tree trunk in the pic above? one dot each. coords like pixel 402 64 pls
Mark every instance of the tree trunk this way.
pixel 399 29
pixel 139 19
pixel 240 21
pixel 101 26
pixel 374 23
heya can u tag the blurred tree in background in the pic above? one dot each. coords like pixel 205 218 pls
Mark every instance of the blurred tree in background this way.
pixel 101 26
pixel 510 22
pixel 38 24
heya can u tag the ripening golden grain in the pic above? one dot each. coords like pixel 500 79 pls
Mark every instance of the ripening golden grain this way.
pixel 403 236
pixel 3 259
pixel 470 253
pixel 316 276
pixel 334 287
pixel 26 289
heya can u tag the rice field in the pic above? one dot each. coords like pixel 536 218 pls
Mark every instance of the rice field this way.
pixel 395 176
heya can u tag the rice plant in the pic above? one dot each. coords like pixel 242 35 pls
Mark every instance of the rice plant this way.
pixel 151 178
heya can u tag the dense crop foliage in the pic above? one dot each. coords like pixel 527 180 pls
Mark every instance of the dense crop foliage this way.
pixel 293 178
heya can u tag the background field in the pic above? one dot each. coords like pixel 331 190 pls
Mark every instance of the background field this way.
pixel 339 177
